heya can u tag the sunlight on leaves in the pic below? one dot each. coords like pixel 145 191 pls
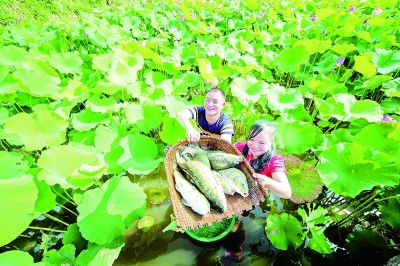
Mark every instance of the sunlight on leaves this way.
pixel 106 211
pixel 37 130
pixel 101 255
pixel 386 60
pixel 139 156
pixel 64 165
pixel 17 196
pixel 12 165
pixel 248 89
pixel 364 66
pixel 16 258
pixel 284 230
pixel 281 98
pixel 347 168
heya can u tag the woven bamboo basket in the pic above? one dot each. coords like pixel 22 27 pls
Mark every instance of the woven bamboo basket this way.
pixel 185 217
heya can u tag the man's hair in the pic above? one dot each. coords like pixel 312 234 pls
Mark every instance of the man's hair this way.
pixel 217 90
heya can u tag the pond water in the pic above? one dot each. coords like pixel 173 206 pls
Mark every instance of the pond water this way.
pixel 246 245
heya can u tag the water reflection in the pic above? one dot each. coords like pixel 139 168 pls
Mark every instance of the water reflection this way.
pixel 247 245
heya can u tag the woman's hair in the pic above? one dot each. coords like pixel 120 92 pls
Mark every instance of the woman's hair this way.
pixel 259 163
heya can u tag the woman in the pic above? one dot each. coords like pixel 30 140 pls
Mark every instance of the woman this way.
pixel 259 150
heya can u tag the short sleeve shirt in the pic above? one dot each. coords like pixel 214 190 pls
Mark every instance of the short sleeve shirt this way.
pixel 276 164
pixel 222 126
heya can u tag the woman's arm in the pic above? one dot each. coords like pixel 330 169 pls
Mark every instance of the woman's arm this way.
pixel 278 184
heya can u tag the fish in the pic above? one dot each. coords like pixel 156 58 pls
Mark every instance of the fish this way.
pixel 191 196
pixel 205 181
pixel 237 180
pixel 194 154
pixel 226 186
pixel 222 160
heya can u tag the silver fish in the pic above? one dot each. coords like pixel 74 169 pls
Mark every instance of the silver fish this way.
pixel 225 184
pixel 222 160
pixel 206 183
pixel 237 180
pixel 191 196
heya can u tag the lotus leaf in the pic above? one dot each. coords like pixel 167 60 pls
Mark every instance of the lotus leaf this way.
pixel 284 230
pixel 304 180
pixel 105 212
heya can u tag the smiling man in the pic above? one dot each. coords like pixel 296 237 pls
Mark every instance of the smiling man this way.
pixel 209 118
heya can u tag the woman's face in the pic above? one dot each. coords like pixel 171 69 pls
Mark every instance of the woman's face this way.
pixel 259 144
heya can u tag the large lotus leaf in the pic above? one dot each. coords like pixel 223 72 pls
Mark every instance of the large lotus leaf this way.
pixel 12 55
pixel 139 155
pixel 248 89
pixel 87 119
pixel 17 258
pixel 37 130
pixel 103 255
pixel 66 62
pixel 152 118
pixel 105 212
pixel 3 115
pixel 70 167
pixel 382 136
pixel 104 137
pixel 12 165
pixel 290 59
pixel 281 98
pixel 38 84
pixel 345 107
pixel 349 168
pixel 64 256
pixel 102 105
pixel 339 135
pixel 313 46
pixel 171 131
pixel 304 180
pixel 284 230
pixel 124 67
pixel 387 61
pixel 363 65
pixel 17 197
pixel 390 213
pixel 296 137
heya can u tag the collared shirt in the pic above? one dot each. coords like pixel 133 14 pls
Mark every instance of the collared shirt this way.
pixel 222 126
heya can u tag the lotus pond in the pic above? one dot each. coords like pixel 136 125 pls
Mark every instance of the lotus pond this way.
pixel 88 107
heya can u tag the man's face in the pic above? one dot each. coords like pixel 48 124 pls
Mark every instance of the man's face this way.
pixel 213 103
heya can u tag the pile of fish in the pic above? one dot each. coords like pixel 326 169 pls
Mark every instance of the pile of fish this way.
pixel 204 178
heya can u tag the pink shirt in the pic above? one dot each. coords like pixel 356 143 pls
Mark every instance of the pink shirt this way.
pixel 276 164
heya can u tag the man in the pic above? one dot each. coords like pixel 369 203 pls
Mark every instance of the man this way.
pixel 209 118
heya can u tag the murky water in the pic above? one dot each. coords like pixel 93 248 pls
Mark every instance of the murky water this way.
pixel 246 245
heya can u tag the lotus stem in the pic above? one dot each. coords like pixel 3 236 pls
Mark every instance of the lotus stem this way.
pixel 71 211
pixel 54 219
pixel 46 229
pixel 366 204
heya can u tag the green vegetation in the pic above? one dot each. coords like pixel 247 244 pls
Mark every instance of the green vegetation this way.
pixel 46 11
pixel 88 106
pixel 211 231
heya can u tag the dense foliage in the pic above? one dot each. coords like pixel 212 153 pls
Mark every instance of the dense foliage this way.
pixel 89 105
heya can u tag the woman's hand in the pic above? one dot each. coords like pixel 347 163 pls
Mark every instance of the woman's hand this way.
pixel 262 180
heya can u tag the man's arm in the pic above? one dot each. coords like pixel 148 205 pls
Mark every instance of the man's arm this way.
pixel 227 137
pixel 183 118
